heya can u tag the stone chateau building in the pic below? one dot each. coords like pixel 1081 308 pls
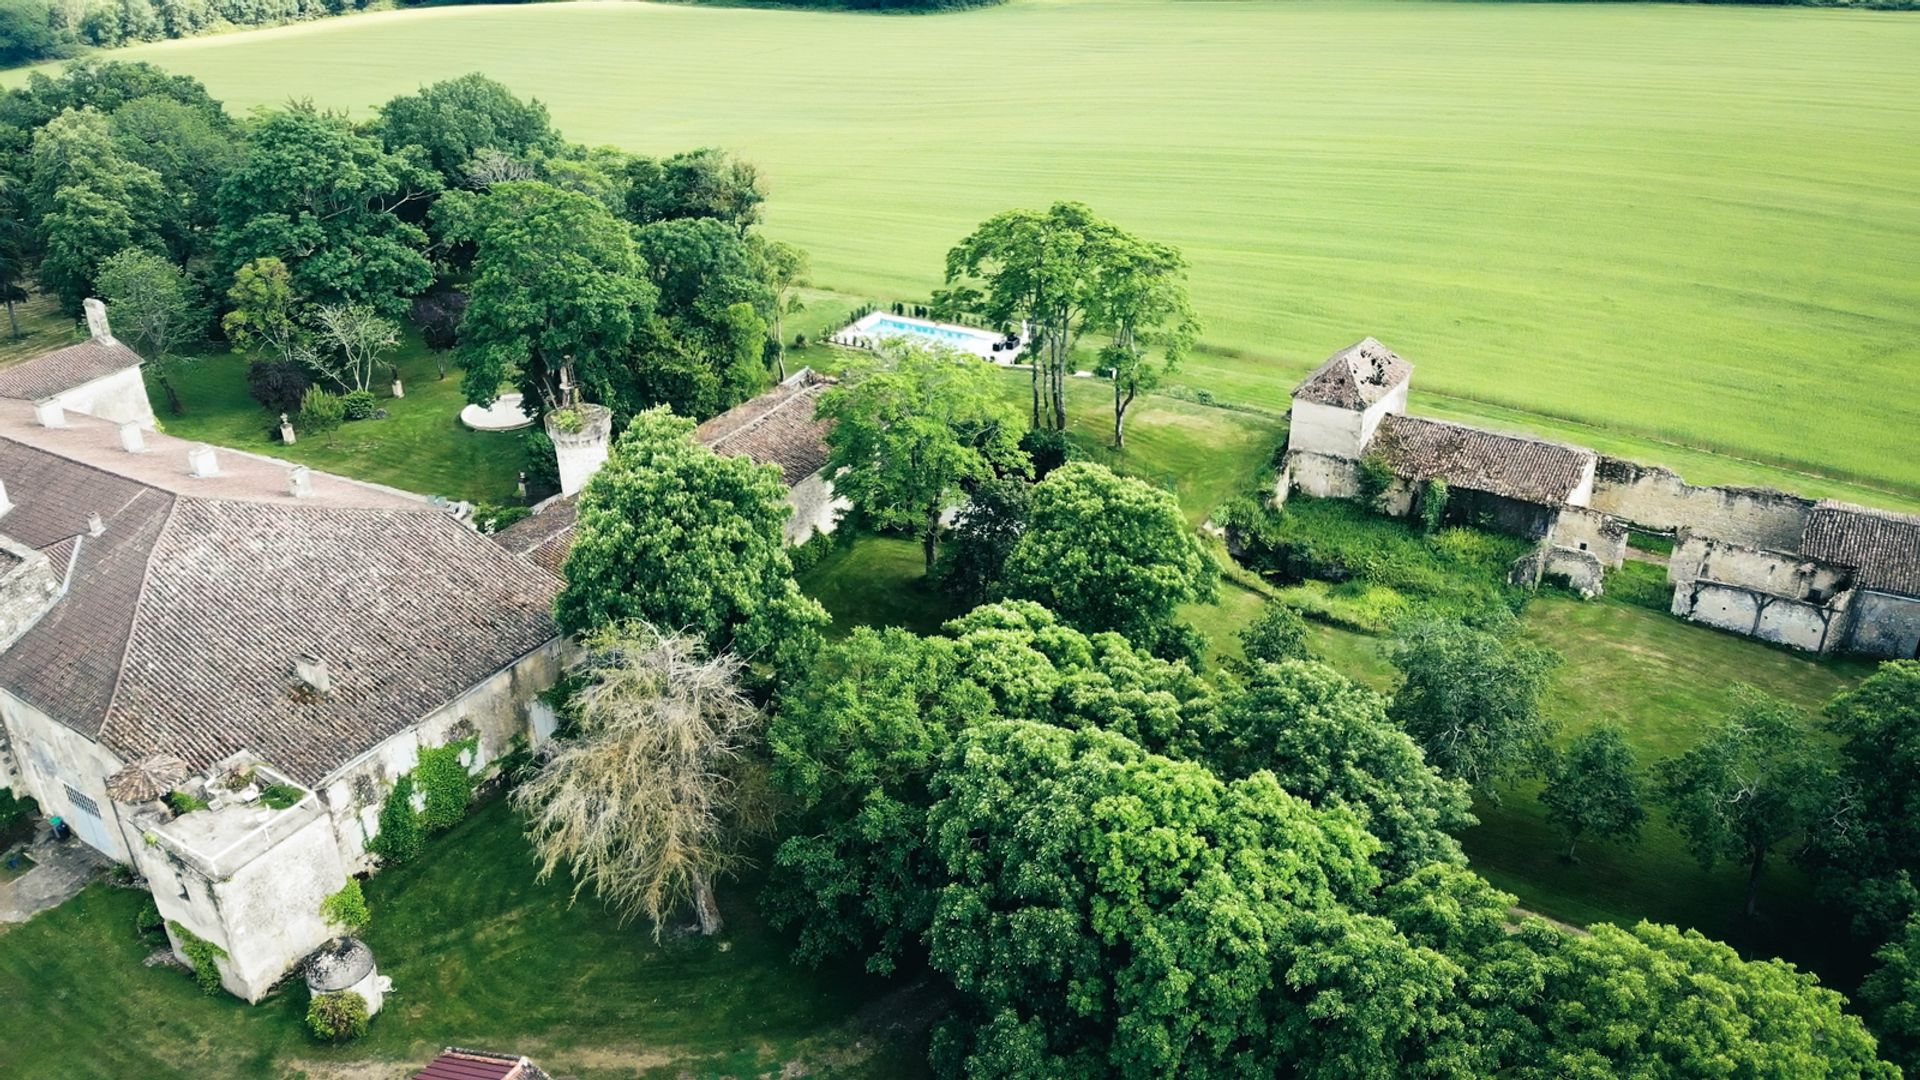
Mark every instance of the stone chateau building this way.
pixel 278 642
pixel 1822 576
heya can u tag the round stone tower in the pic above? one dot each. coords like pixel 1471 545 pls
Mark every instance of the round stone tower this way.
pixel 581 435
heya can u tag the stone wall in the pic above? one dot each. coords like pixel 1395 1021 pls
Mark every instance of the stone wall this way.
pixel 1885 625
pixel 1321 476
pixel 50 758
pixel 1587 530
pixel 1743 610
pixel 1313 428
pixel 498 710
pixel 1782 573
pixel 1659 500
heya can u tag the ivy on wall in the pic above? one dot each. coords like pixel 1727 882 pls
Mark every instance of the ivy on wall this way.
pixel 204 955
pixel 446 787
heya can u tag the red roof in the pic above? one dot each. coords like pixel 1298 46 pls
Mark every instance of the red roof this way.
pixel 476 1065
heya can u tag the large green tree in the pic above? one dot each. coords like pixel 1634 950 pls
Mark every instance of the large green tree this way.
pixel 1110 552
pixel 190 151
pixel 674 535
pixel 1890 998
pixel 1594 789
pixel 89 202
pixel 974 557
pixel 555 281
pixel 1871 851
pixel 1471 697
pixel 709 353
pixel 1658 1001
pixel 1756 781
pixel 706 183
pixel 334 205
pixel 455 120
pixel 1036 268
pixel 910 431
pixel 1140 299
pixel 1328 741
pixel 155 308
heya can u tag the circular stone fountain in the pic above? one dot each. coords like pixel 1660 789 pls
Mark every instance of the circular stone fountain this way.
pixel 504 414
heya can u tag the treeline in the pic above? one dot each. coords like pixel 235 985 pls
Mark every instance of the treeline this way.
pixel 35 30
pixel 303 238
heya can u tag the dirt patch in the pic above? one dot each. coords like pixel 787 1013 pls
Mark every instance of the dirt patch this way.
pixel 356 1070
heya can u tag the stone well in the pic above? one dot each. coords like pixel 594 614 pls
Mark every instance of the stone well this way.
pixel 345 963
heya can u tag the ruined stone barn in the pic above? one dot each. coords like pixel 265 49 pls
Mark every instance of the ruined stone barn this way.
pixel 1851 584
pixel 1818 576
pixel 277 644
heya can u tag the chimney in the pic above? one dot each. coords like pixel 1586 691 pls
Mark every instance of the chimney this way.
pixel 95 526
pixel 97 319
pixel 312 670
pixel 202 462
pixel 300 481
pixel 132 439
pixel 6 503
pixel 50 413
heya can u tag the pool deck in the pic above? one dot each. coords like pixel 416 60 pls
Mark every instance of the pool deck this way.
pixel 874 327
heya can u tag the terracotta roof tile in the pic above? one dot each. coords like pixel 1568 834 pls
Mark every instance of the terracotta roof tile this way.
pixel 1467 457
pixel 1355 377
pixel 63 369
pixel 457 1064
pixel 1882 547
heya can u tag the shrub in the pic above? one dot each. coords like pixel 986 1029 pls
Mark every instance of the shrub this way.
pixel 278 385
pixel 400 837
pixel 491 519
pixel 542 466
pixel 1278 633
pixel 204 955
pixel 1376 479
pixel 337 1017
pixel 347 908
pixel 321 412
pixel 281 796
pixel 358 405
pixel 1047 449
pixel 148 925
pixel 1642 585
pixel 185 802
pixel 807 555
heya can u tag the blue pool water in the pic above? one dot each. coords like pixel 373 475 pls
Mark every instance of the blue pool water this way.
pixel 938 333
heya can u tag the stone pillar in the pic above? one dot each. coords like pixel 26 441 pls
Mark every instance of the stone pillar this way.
pixel 50 413
pixel 132 439
pixel 203 462
pixel 399 390
pixel 581 436
pixel 300 481
pixel 96 319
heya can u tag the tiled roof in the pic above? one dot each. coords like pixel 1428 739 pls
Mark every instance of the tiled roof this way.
pixel 180 625
pixel 457 1064
pixel 1467 457
pixel 63 369
pixel 1355 377
pixel 1882 547
pixel 776 428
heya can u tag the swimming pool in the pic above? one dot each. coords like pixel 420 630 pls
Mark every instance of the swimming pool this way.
pixel 880 325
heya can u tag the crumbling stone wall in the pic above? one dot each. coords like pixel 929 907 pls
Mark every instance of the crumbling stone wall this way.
pixel 1885 625
pixel 1782 573
pixel 1582 529
pixel 1659 500
pixel 1321 476
pixel 1754 613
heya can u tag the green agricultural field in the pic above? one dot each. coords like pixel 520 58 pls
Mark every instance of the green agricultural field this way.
pixel 1639 225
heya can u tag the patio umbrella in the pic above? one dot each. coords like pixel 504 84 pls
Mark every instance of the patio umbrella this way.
pixel 150 778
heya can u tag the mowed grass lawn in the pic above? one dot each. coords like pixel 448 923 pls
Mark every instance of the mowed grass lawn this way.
pixel 480 955
pixel 420 446
pixel 1689 223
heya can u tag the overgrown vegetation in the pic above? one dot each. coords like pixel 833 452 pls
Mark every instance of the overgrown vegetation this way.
pixel 1380 570
pixel 203 955
pixel 337 1017
pixel 347 908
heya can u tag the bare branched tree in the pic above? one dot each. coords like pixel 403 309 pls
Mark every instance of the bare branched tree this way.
pixel 645 802
pixel 351 339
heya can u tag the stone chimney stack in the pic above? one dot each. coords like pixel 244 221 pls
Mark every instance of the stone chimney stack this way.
pixel 97 319
pixel 312 670
pixel 300 481
pixel 50 413
pixel 203 462
pixel 95 525
pixel 132 439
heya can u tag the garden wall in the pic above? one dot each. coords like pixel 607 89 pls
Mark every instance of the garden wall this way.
pixel 1659 500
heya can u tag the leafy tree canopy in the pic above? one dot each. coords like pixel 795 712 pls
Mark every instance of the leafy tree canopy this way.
pixel 555 279
pixel 327 200
pixel 705 183
pixel 454 120
pixel 674 535
pixel 1471 699
pixel 1873 846
pixel 1109 552
pixel 1594 789
pixel 974 559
